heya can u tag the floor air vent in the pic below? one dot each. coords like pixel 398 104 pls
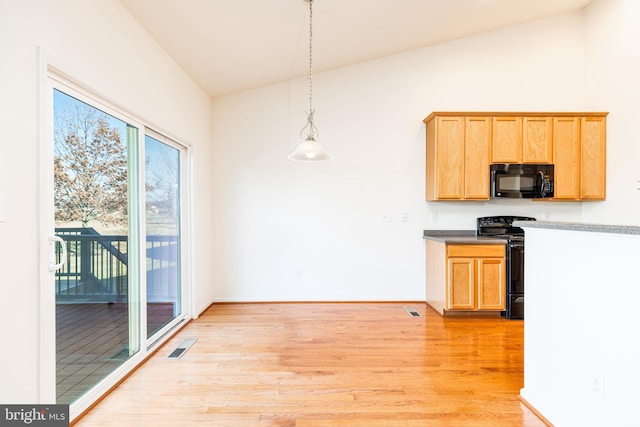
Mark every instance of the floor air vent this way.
pixel 182 348
pixel 412 312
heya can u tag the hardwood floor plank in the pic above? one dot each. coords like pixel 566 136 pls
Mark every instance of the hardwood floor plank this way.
pixel 342 364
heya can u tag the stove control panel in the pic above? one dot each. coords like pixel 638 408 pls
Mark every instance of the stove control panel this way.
pixel 500 226
pixel 501 221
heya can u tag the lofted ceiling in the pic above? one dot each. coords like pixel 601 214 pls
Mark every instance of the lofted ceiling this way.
pixel 227 46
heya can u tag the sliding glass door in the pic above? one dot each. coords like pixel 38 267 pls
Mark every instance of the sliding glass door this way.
pixel 117 201
pixel 94 158
pixel 162 197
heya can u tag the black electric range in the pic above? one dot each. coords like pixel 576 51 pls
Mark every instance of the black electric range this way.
pixel 501 227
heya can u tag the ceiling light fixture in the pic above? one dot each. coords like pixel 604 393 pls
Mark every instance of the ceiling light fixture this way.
pixel 310 150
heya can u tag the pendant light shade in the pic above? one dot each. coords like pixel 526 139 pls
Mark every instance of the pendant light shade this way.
pixel 309 149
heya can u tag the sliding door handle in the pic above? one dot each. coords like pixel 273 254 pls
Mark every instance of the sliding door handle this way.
pixel 53 241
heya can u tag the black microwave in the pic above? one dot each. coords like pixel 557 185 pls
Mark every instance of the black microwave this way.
pixel 522 181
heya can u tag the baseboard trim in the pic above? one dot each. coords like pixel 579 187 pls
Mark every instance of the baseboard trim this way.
pixel 234 301
pixel 535 411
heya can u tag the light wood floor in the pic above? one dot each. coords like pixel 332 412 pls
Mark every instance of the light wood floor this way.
pixel 345 364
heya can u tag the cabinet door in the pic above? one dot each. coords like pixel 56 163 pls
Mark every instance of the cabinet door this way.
pixel 566 157
pixel 449 157
pixel 476 157
pixel 491 284
pixel 506 141
pixel 461 284
pixel 593 143
pixel 536 139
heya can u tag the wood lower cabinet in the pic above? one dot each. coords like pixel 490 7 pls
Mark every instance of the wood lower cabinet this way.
pixel 466 277
pixel 461 283
pixel 476 284
pixel 476 277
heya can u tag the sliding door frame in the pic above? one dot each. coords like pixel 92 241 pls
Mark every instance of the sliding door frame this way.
pixel 186 288
pixel 52 77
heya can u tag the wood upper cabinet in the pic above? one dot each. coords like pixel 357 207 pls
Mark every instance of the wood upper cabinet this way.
pixel 462 146
pixel 593 160
pixel 566 158
pixel 476 157
pixel 458 158
pixel 445 158
pixel 475 277
pixel 579 156
pixel 537 140
pixel 506 144
pixel 522 140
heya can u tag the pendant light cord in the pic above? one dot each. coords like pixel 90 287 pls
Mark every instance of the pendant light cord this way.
pixel 310 56
pixel 310 127
pixel 309 149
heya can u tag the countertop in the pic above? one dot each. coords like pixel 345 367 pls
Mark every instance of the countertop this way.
pixel 461 237
pixel 579 226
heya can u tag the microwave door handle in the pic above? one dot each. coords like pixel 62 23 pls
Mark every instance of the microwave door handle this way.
pixel 546 185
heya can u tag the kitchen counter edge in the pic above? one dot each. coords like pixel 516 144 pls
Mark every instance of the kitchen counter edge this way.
pixel 460 237
pixel 579 226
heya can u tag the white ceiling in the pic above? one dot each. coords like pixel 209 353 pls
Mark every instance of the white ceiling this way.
pixel 227 46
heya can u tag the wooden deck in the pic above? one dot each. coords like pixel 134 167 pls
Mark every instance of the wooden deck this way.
pixel 92 340
pixel 344 364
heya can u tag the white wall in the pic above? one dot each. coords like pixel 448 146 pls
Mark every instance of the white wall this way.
pixel 581 307
pixel 612 65
pixel 100 44
pixel 287 231
pixel 581 327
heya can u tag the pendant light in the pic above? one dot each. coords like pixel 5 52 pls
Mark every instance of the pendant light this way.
pixel 310 150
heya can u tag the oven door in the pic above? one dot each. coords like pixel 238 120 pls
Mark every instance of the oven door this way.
pixel 515 267
pixel 515 307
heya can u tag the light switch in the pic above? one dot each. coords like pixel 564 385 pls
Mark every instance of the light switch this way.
pixel 3 208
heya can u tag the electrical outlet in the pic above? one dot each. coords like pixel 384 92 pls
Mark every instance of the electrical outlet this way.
pixel 597 386
pixel 405 216
pixel 434 216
